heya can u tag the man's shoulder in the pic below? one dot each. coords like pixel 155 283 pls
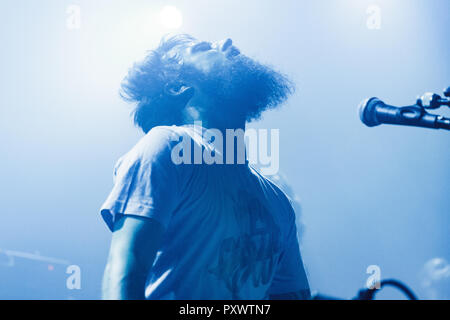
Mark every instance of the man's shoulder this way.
pixel 164 133
pixel 159 139
pixel 273 188
pixel 155 146
pixel 154 151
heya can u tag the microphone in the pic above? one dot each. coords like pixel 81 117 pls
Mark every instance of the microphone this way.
pixel 374 112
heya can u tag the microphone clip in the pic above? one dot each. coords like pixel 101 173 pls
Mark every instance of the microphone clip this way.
pixel 431 100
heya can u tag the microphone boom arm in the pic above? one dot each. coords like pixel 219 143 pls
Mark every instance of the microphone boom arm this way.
pixel 374 112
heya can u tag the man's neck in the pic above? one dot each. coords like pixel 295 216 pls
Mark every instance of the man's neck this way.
pixel 234 131
pixel 218 124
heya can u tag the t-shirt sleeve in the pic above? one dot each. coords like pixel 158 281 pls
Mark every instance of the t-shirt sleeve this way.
pixel 145 181
pixel 290 275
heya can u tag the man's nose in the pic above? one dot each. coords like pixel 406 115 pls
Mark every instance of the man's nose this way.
pixel 223 45
pixel 227 43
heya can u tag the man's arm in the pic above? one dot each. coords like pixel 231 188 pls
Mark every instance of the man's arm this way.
pixel 134 244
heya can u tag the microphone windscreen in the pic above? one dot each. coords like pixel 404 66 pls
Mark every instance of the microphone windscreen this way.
pixel 367 111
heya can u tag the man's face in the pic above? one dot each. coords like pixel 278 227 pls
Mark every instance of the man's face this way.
pixel 227 83
pixel 213 79
pixel 204 56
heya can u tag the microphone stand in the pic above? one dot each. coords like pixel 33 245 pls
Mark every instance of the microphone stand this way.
pixel 410 113
pixel 431 101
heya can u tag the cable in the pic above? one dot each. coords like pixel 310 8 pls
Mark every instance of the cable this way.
pixel 369 294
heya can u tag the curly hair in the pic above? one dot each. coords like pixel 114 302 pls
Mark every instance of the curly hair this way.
pixel 148 83
pixel 159 86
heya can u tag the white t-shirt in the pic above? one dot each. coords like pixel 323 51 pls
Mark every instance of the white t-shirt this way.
pixel 229 232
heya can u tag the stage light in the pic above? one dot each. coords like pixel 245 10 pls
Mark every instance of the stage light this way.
pixel 171 17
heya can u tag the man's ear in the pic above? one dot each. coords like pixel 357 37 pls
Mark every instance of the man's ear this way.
pixel 179 91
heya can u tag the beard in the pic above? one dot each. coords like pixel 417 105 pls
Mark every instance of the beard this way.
pixel 240 89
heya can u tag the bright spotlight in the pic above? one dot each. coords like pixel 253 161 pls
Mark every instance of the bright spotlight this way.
pixel 171 17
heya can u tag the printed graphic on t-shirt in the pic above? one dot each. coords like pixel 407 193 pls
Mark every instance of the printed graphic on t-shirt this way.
pixel 252 254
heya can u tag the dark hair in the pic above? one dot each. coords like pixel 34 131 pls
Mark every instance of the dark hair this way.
pixel 153 84
pixel 245 89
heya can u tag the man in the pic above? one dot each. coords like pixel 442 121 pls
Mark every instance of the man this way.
pixel 195 230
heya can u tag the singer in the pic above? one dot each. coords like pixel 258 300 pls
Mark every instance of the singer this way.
pixel 199 231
